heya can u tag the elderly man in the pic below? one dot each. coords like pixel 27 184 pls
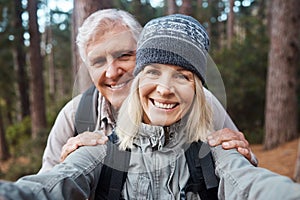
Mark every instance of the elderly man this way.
pixel 107 44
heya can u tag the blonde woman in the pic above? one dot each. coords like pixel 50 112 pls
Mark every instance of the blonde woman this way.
pixel 165 115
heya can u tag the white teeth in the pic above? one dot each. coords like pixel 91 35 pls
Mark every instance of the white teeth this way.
pixel 164 105
pixel 114 87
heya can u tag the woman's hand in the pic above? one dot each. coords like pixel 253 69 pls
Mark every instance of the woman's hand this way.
pixel 230 139
pixel 84 139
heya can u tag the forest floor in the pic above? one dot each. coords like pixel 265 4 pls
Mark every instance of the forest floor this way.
pixel 281 160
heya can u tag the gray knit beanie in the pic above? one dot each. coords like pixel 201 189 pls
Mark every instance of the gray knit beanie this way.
pixel 175 39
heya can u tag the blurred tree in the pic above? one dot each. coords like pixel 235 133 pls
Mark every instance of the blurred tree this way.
pixel 143 11
pixel 297 167
pixel 38 109
pixel 243 71
pixel 281 99
pixel 214 8
pixel 4 153
pixel 20 60
pixel 170 7
pixel 230 24
pixel 50 55
pixel 82 9
pixel 186 7
pixel 7 92
pixel 7 95
pixel 59 56
pixel 7 72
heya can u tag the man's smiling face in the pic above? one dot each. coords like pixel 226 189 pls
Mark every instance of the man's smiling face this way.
pixel 111 58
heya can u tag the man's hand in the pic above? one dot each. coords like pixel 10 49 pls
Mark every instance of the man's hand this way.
pixel 230 139
pixel 83 139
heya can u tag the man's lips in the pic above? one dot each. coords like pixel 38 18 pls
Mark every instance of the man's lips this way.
pixel 118 86
pixel 163 105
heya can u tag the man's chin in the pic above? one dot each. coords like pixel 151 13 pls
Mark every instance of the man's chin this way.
pixel 117 100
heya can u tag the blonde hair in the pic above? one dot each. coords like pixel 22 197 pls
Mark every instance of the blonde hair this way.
pixel 199 121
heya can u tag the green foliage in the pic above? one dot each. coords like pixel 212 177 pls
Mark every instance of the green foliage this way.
pixel 26 152
pixel 142 10
pixel 27 159
pixel 53 111
pixel 243 69
pixel 256 136
pixel 17 134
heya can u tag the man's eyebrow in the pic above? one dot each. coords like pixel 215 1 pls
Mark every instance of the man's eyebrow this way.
pixel 118 53
pixel 98 59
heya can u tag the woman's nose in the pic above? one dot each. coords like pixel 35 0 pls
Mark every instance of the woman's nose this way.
pixel 164 89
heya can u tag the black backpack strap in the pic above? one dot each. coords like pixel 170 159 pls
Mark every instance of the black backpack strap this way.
pixel 85 117
pixel 114 172
pixel 202 171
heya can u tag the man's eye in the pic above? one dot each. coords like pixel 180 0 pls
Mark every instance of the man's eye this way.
pixel 125 56
pixel 98 62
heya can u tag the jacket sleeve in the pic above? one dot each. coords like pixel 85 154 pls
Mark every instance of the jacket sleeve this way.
pixel 61 131
pixel 76 178
pixel 241 180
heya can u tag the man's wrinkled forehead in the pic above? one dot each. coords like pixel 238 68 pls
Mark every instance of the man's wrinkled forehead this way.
pixel 111 43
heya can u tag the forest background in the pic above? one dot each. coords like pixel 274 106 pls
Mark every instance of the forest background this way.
pixel 254 43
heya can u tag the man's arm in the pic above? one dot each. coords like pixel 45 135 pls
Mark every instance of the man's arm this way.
pixel 62 130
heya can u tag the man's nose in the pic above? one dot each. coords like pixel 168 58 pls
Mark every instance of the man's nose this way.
pixel 112 69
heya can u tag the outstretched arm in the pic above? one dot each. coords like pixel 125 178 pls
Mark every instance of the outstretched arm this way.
pixel 76 178
pixel 241 180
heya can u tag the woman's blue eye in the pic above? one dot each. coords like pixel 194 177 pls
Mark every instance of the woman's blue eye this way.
pixel 182 76
pixel 152 72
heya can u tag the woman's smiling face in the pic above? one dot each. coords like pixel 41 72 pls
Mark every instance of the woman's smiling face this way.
pixel 166 93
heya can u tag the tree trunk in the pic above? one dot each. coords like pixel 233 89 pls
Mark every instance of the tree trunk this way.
pixel 297 167
pixel 38 109
pixel 269 16
pixel 4 153
pixel 82 9
pixel 171 7
pixel 186 7
pixel 230 24
pixel 281 98
pixel 199 3
pixel 20 61
pixel 51 66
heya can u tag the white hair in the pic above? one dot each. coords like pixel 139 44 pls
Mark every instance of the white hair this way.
pixel 104 17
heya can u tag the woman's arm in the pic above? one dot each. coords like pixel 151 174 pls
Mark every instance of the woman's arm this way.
pixel 241 180
pixel 76 178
